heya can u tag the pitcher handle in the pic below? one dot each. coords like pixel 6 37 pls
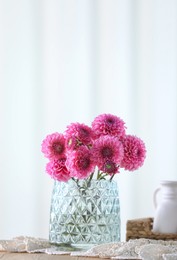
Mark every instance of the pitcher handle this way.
pixel 155 197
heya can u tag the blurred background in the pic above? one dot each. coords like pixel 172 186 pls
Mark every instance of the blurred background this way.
pixel 64 61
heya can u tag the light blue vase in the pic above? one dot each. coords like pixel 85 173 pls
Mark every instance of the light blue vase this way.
pixel 85 213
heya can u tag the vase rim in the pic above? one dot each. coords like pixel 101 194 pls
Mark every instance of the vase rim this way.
pixel 93 180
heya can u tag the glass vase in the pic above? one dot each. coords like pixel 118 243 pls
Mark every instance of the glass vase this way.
pixel 84 213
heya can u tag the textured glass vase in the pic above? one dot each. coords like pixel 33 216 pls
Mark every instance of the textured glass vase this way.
pixel 85 213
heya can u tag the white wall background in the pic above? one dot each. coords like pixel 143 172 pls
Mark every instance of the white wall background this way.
pixel 63 61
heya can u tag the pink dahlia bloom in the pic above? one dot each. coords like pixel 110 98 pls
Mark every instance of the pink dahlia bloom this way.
pixel 107 124
pixel 57 170
pixel 110 167
pixel 80 162
pixel 107 148
pixel 134 153
pixel 53 146
pixel 78 134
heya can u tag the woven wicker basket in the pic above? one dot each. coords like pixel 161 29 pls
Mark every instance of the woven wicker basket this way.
pixel 142 228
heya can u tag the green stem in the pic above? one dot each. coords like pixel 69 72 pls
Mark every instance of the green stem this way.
pixel 76 181
pixel 111 177
pixel 91 176
pixel 73 179
pixel 99 175
pixel 102 176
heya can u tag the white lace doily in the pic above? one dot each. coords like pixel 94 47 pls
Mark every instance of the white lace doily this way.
pixel 169 256
pixel 24 244
pixel 145 249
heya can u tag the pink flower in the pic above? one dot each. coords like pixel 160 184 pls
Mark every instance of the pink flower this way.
pixel 107 148
pixel 107 124
pixel 80 162
pixel 53 146
pixel 78 134
pixel 110 167
pixel 134 153
pixel 57 170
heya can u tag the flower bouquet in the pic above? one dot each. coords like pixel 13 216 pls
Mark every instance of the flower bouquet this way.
pixel 105 146
pixel 83 162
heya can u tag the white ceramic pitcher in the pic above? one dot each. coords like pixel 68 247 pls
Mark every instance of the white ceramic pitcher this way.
pixel 165 219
